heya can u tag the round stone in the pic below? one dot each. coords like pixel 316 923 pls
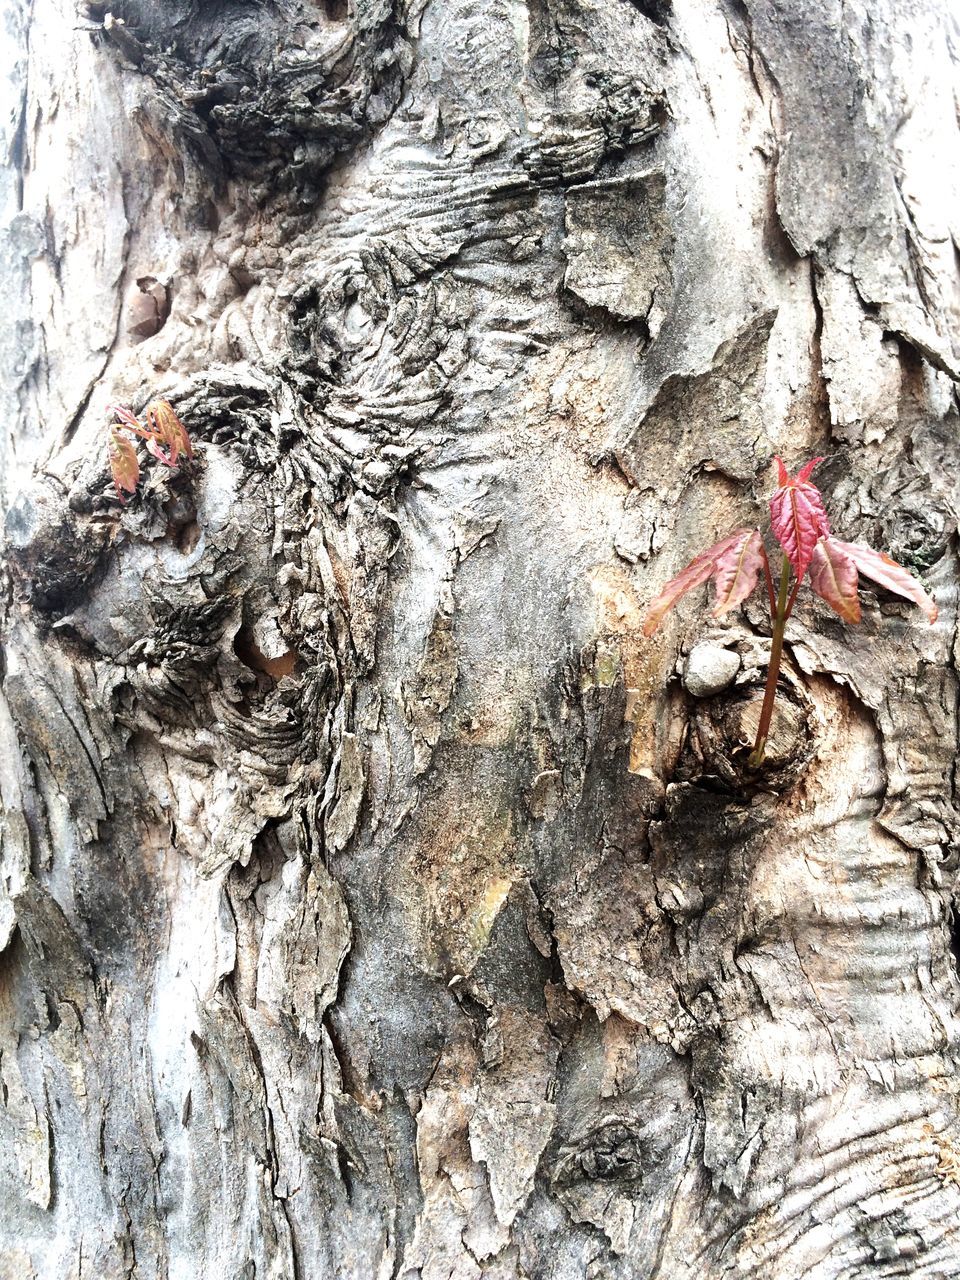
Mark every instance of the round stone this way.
pixel 708 669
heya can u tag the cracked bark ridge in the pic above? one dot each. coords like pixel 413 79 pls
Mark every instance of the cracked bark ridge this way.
pixel 375 899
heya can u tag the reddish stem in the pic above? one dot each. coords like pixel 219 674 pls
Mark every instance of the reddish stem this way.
pixel 776 652
pixel 769 581
pixel 792 601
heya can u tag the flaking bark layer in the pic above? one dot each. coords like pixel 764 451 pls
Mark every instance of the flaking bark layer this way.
pixel 375 899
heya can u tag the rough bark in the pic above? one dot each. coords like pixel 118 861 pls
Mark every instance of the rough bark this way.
pixel 376 902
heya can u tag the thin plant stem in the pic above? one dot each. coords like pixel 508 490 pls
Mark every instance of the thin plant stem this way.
pixel 776 652
pixel 792 601
pixel 769 581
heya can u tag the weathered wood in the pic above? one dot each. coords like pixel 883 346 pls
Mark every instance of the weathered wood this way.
pixel 376 901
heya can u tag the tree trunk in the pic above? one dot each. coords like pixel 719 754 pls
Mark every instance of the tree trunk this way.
pixel 376 900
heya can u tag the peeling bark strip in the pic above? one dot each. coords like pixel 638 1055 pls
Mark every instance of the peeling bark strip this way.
pixel 376 900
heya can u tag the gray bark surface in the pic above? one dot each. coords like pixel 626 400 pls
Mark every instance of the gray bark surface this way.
pixel 375 901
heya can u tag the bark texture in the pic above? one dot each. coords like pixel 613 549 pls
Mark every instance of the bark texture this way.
pixel 376 902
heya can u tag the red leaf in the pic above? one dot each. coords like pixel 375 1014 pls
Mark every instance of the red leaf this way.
pixel 797 516
pixel 123 464
pixel 805 472
pixel 697 571
pixel 737 570
pixel 167 430
pixel 125 416
pixel 129 421
pixel 168 460
pixel 833 576
pixel 881 568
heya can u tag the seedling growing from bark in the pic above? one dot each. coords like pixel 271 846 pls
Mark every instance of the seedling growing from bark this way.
pixel 164 433
pixel 799 524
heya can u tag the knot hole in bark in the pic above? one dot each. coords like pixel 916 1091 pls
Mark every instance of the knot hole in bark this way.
pixel 722 728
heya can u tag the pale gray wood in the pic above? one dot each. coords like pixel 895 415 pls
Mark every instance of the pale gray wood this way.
pixel 376 901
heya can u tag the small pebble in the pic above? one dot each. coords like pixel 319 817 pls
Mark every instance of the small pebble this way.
pixel 708 669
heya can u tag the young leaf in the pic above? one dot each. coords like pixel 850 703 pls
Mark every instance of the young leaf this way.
pixel 806 471
pixel 881 568
pixel 833 576
pixel 123 464
pixel 797 516
pixel 153 448
pixel 697 571
pixel 167 430
pixel 128 420
pixel 737 570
